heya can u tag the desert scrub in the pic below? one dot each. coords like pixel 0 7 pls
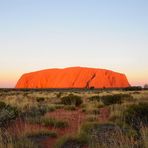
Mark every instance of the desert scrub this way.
pixel 11 141
pixel 38 110
pixel 71 100
pixel 70 107
pixel 94 111
pixel 34 111
pixel 136 115
pixel 114 99
pixel 144 135
pixel 48 121
pixel 7 113
pixel 94 98
pixel 103 135
pixel 71 142
pixel 59 106
pixel 41 134
pixel 91 118
pixel 40 99
pixel 23 143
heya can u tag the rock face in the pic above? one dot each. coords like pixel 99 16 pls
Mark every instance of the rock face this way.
pixel 73 77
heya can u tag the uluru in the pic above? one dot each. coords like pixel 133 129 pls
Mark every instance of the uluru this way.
pixel 73 77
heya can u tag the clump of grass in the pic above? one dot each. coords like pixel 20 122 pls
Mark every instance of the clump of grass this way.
pixel 104 135
pixel 54 122
pixel 144 135
pixel 40 99
pixel 34 111
pixel 114 99
pixel 91 118
pixel 7 113
pixel 71 100
pixel 94 111
pixel 41 133
pixel 94 98
pixel 59 106
pixel 136 115
pixel 59 95
pixel 38 110
pixel 70 107
pixel 23 143
pixel 48 121
pixel 71 142
pixel 16 142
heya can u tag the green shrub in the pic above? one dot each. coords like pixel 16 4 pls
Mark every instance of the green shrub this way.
pixel 40 99
pixel 59 95
pixel 136 115
pixel 7 113
pixel 54 122
pixel 94 111
pixel 71 100
pixel 48 121
pixel 133 88
pixel 59 106
pixel 41 133
pixel 24 143
pixel 70 107
pixel 91 118
pixel 2 105
pixel 113 99
pixel 94 98
pixel 100 135
pixel 70 142
pixel 36 111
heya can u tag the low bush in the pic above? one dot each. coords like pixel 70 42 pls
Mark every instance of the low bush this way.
pixel 91 118
pixel 136 115
pixel 133 88
pixel 94 98
pixel 70 142
pixel 7 113
pixel 40 99
pixel 23 143
pixel 41 134
pixel 114 99
pixel 71 100
pixel 70 107
pixel 48 121
pixel 35 111
pixel 94 111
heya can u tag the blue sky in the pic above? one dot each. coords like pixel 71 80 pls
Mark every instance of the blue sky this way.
pixel 40 34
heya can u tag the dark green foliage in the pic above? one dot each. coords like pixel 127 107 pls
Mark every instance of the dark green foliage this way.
pixel 70 107
pixel 94 111
pixel 71 142
pixel 71 100
pixel 40 99
pixel 2 105
pixel 100 135
pixel 54 123
pixel 35 111
pixel 133 88
pixel 42 134
pixel 48 121
pixel 25 143
pixel 114 99
pixel 136 115
pixel 59 95
pixel 7 113
pixel 94 98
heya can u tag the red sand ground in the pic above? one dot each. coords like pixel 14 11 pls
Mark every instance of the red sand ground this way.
pixel 74 119
pixel 73 77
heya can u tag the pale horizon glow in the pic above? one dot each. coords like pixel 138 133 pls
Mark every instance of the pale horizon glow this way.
pixel 36 35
